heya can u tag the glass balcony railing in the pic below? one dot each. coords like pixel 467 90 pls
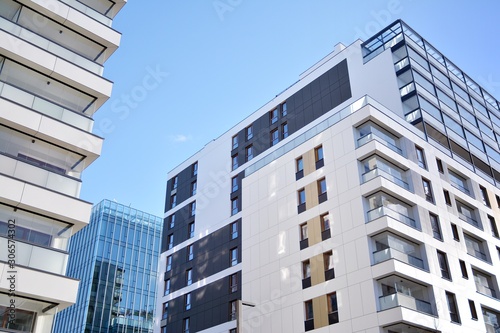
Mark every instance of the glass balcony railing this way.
pixel 377 172
pixel 372 136
pixel 385 211
pixel 389 253
pixel 89 11
pixel 36 257
pixel 399 299
pixel 50 46
pixel 131 323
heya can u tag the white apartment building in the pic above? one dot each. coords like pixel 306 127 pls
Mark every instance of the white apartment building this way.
pixel 363 198
pixel 51 65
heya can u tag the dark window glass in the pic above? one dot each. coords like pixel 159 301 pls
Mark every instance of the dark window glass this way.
pixel 436 228
pixel 439 165
pixel 420 157
pixel 452 307
pixel 443 265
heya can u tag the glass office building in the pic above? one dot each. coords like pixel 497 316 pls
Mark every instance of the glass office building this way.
pixel 116 259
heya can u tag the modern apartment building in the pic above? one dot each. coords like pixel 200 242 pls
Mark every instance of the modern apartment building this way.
pixel 115 258
pixel 363 198
pixel 51 64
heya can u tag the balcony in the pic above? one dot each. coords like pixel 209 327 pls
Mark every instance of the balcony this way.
pixel 374 137
pixel 386 254
pixel 89 12
pixel 398 291
pixel 386 211
pixel 399 299
pixel 377 172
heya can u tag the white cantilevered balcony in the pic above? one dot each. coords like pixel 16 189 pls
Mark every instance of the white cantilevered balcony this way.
pixel 389 246
pixel 376 166
pixel 381 204
pixel 397 291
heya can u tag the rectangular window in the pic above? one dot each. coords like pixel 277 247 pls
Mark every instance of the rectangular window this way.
pixel 273 116
pixel 169 263
pixel 194 169
pixel 322 196
pixel 235 206
pixel 325 222
pixel 175 182
pixel 170 241
pixel 235 141
pixel 284 131
pixel 190 252
pixel 303 231
pixel 249 132
pixel 302 200
pixel 454 231
pixel 274 137
pixel 484 196
pixel 463 268
pixel 194 186
pixel 299 167
pixel 318 154
pixel 192 208
pixel 328 263
pixel 234 162
pixel 165 311
pixel 232 310
pixel 498 200
pixel 233 282
pixel 234 230
pixel 284 110
pixel 173 200
pixel 234 184
pixel 167 287
pixel 309 315
pixel 189 277
pixel 427 190
pixel 452 307
pixel 163 329
pixel 447 198
pixel 171 221
pixel 473 312
pixel 443 265
pixel 493 225
pixel 333 310
pixel 191 230
pixel 234 256
pixel 475 247
pixel 458 182
pixel 249 153
pixel 185 325
pixel 187 301
pixel 439 165
pixel 420 157
pixel 306 269
pixel 436 228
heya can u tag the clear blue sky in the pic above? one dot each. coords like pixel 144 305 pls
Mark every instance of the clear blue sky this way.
pixel 217 61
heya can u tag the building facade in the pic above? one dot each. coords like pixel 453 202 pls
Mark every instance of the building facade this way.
pixel 363 198
pixel 51 65
pixel 115 258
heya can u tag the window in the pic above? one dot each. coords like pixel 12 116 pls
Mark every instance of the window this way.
pixel 234 184
pixel 484 196
pixel 498 200
pixel 302 200
pixel 322 196
pixel 475 247
pixel 436 228
pixel 187 301
pixel 190 252
pixel 233 282
pixel 235 141
pixel 333 311
pixel 232 310
pixel 318 154
pixel 458 182
pixel 463 268
pixel 249 132
pixel 454 231
pixel 420 157
pixel 234 206
pixel 234 230
pixel 452 307
pixel 484 284
pixel 163 329
pixel 303 236
pixel 173 200
pixel 493 225
pixel 443 265
pixel 165 311
pixel 274 137
pixel 189 277
pixel 273 116
pixel 309 315
pixel 472 307
pixel 249 153
pixel 232 330
pixel 306 269
pixel 234 256
pixel 439 165
pixel 167 287
pixel 447 198
pixel 169 263
pixel 171 221
pixel 170 241
pixel 192 208
pixel 467 214
pixel 328 263
pixel 299 166
pixel 325 222
pixel 194 169
pixel 234 162
pixel 175 182
pixel 284 130
pixel 185 325
pixel 284 110
pixel 194 185
pixel 427 190
pixel 191 230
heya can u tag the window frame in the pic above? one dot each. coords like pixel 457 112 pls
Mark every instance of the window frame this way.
pixel 249 132
pixel 233 257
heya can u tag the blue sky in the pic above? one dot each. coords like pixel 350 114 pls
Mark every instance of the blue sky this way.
pixel 187 71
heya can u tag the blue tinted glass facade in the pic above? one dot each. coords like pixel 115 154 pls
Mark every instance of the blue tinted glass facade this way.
pixel 115 258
